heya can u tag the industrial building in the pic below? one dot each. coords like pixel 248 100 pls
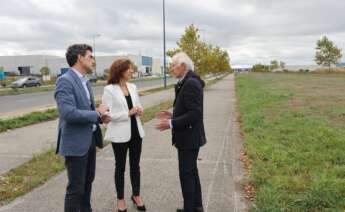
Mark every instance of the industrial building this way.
pixel 32 64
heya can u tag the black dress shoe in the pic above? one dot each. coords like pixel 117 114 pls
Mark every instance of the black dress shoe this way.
pixel 139 208
pixel 198 209
pixel 118 210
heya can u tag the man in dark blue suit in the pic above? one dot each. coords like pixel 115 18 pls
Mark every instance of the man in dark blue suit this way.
pixel 186 123
pixel 78 132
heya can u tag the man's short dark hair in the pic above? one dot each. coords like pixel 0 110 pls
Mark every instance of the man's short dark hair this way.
pixel 74 50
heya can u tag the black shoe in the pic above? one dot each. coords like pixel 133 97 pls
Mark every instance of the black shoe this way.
pixel 118 210
pixel 139 208
pixel 198 209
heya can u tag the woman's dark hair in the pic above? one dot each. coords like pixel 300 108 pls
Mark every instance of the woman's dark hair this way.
pixel 74 50
pixel 117 69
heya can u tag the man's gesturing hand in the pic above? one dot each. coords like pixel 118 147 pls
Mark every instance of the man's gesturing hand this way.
pixel 163 124
pixel 164 115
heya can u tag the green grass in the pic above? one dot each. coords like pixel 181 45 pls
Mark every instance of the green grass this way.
pixel 42 167
pixel 294 127
pixel 150 112
pixel 29 175
pixel 29 119
pixel 153 90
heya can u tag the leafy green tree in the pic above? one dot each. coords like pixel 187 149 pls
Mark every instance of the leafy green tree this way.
pixel 45 70
pixel 274 64
pixel 207 59
pixel 327 54
pixel 260 68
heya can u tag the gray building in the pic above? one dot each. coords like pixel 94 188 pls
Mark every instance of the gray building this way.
pixel 32 64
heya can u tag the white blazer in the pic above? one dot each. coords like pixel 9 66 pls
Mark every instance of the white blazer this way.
pixel 119 128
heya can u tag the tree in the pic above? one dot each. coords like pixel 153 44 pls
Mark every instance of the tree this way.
pixel 327 54
pixel 282 64
pixel 45 70
pixel 206 58
pixel 274 64
pixel 260 68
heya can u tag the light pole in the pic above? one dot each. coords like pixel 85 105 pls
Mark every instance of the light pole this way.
pixel 94 50
pixel 164 54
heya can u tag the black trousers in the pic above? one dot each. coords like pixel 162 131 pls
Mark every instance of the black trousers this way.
pixel 120 152
pixel 81 173
pixel 189 178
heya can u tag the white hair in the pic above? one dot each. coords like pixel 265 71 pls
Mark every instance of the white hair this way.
pixel 183 58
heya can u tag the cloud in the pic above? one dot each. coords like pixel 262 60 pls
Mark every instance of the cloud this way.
pixel 250 30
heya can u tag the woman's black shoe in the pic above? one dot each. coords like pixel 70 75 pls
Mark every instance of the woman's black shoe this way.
pixel 139 208
pixel 118 210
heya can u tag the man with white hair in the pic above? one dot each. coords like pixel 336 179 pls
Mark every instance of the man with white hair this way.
pixel 187 125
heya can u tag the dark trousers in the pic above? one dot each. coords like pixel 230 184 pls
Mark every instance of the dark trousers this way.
pixel 189 178
pixel 81 173
pixel 120 152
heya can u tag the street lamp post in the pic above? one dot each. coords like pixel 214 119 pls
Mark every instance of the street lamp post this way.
pixel 164 53
pixel 94 50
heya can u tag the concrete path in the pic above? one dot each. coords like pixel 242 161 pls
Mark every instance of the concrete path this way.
pixel 19 145
pixel 219 167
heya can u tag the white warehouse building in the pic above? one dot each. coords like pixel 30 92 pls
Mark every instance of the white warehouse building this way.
pixel 32 64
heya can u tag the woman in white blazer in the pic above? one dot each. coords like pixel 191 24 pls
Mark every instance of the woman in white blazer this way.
pixel 125 129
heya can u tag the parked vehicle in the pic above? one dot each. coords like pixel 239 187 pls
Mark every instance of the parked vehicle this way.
pixel 26 82
pixel 92 78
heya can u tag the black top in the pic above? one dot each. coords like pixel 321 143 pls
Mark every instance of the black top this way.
pixel 134 126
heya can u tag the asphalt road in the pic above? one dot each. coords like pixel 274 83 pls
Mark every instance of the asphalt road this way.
pixel 24 102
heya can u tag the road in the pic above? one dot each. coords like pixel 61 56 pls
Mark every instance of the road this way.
pixel 25 102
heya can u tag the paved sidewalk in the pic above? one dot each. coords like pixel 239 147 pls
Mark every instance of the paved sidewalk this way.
pixel 20 145
pixel 219 167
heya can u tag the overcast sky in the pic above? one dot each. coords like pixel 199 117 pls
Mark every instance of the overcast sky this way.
pixel 250 30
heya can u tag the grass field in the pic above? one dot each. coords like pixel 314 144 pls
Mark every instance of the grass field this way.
pixel 294 134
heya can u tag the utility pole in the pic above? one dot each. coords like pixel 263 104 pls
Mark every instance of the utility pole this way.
pixel 164 51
